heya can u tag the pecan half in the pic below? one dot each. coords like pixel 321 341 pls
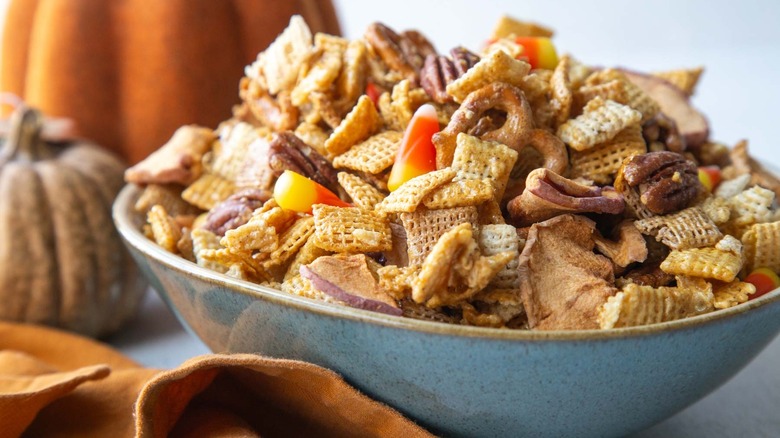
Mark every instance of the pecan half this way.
pixel 665 181
pixel 548 194
pixel 661 131
pixel 463 59
pixel 440 71
pixel 288 152
pixel 235 210
pixel 404 53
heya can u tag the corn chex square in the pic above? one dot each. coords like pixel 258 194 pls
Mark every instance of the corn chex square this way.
pixel 601 163
pixel 762 246
pixel 601 121
pixel 732 187
pixel 455 259
pixel 351 83
pixel 165 230
pixel 723 262
pixel 261 232
pixel 638 305
pixel 684 79
pixel 561 91
pixel 636 97
pixel 280 62
pixel 302 287
pixel 373 155
pixel 361 122
pixel 498 67
pixel 306 254
pixel 231 152
pixel 479 159
pixel 167 195
pixel 239 263
pixel 508 27
pixel 323 70
pixel 508 45
pixel 495 239
pixel 752 206
pixel 407 101
pixel 731 294
pixel 291 240
pixel 717 209
pixel 184 245
pixel 610 90
pixel 424 227
pixel 208 191
pixel 410 194
pixel 363 194
pixel 350 229
pixel 313 135
pixel 397 280
pixel 689 228
pixel 460 194
pixel 205 240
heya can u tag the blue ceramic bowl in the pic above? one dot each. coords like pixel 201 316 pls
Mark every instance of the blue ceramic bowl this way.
pixel 468 381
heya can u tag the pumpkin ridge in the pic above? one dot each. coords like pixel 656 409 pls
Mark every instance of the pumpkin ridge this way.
pixel 14 303
pixel 104 171
pixel 106 248
pixel 72 246
pixel 29 287
pixel 43 302
pixel 101 167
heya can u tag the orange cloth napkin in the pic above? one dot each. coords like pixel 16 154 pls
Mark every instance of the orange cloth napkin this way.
pixel 55 384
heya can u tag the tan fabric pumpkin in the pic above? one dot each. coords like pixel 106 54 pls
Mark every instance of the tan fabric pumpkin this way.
pixel 61 260
pixel 132 71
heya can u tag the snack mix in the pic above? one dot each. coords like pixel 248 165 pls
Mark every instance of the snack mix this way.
pixel 511 188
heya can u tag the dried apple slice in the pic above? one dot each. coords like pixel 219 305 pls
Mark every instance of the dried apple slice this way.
pixel 693 126
pixel 349 279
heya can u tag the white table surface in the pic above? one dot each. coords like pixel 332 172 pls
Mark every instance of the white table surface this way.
pixel 738 42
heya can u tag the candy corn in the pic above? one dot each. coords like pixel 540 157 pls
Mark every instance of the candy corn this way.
pixel 540 52
pixel 710 177
pixel 764 279
pixel 295 192
pixel 417 154
pixel 373 92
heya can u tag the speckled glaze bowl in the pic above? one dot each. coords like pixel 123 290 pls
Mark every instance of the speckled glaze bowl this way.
pixel 468 381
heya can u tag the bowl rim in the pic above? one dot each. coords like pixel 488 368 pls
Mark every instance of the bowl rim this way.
pixel 122 212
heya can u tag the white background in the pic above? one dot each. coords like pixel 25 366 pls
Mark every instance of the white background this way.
pixel 739 44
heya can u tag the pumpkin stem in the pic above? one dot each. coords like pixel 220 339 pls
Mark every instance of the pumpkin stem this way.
pixel 24 136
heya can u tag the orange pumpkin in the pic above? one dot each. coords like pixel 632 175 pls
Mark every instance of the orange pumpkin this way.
pixel 131 72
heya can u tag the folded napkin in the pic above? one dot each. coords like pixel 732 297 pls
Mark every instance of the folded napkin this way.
pixel 55 384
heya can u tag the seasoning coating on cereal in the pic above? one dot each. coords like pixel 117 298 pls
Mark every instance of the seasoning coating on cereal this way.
pixel 507 187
